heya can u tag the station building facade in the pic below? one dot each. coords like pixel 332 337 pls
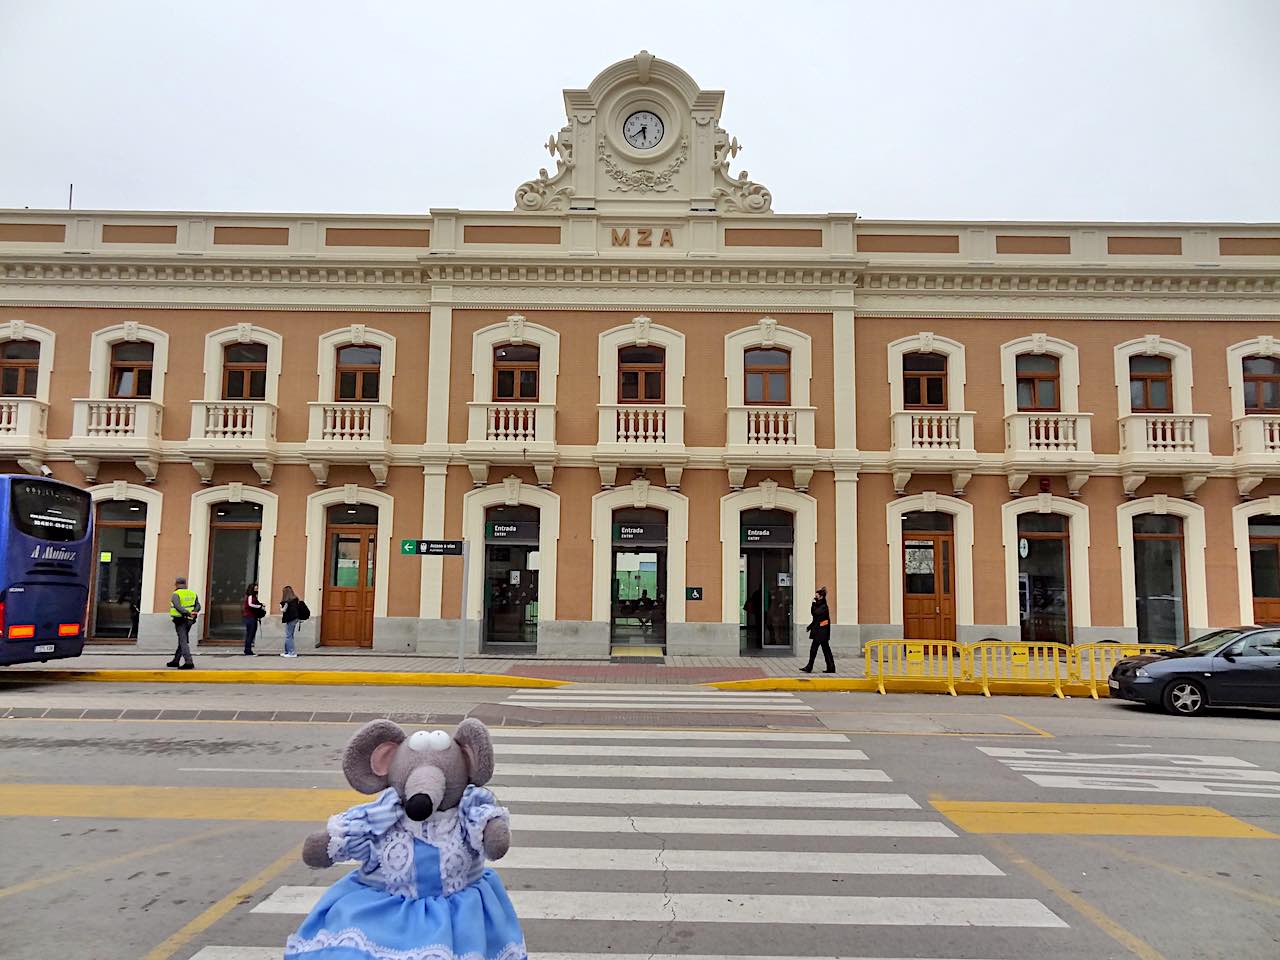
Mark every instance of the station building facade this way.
pixel 658 411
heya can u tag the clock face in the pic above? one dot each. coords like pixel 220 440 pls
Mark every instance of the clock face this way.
pixel 643 130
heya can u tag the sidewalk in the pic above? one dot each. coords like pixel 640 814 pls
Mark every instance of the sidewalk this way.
pixel 378 668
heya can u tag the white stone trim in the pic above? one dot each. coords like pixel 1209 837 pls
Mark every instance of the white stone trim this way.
pixel 241 333
pixel 1155 346
pixel 1042 344
pixel 1240 515
pixel 198 559
pixel 154 499
pixel 515 329
pixel 638 494
pixel 1077 515
pixel 1262 346
pixel 17 329
pixel 845 394
pixel 318 504
pixel 962 534
pixel 359 335
pixel 431 578
pixel 100 356
pixel 639 332
pixel 925 342
pixel 804 510
pixel 474 504
pixel 1193 548
pixel 767 333
pixel 844 605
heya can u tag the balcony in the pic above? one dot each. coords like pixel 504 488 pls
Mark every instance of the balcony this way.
pixel 932 441
pixel 1165 445
pixel 348 433
pixel 116 429
pixel 1256 449
pixel 232 431
pixel 501 432
pixel 641 435
pixel 763 437
pixel 23 424
pixel 1048 443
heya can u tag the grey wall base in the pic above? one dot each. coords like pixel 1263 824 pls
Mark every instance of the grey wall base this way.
pixel 155 632
pixel 1099 634
pixel 395 634
pixel 973 632
pixel 702 640
pixel 573 639
pixel 846 640
pixel 439 638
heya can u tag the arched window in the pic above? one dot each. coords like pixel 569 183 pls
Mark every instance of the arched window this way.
pixel 1261 385
pixel 1038 387
pixel 515 372
pixel 244 371
pixel 924 381
pixel 767 376
pixel 19 368
pixel 359 374
pixel 642 374
pixel 131 367
pixel 1150 384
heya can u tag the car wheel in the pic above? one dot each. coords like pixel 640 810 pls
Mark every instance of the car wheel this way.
pixel 1185 698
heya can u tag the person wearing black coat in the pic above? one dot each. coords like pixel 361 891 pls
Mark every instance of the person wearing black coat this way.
pixel 820 632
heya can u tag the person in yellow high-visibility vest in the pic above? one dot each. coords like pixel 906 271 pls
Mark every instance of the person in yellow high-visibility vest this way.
pixel 184 606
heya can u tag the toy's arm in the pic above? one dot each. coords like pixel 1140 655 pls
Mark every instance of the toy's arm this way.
pixel 315 851
pixel 350 835
pixel 497 837
pixel 487 825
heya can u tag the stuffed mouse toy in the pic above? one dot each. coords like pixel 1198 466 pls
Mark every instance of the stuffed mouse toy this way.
pixel 421 890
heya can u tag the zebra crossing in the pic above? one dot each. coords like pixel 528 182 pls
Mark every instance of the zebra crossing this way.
pixel 701 844
pixel 617 698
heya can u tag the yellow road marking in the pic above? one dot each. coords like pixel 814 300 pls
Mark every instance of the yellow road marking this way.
pixel 1183 872
pixel 1130 941
pixel 289 804
pixel 1032 727
pixel 80 870
pixel 385 678
pixel 1097 819
pixel 235 898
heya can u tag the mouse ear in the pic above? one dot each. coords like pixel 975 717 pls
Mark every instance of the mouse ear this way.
pixel 473 737
pixel 367 758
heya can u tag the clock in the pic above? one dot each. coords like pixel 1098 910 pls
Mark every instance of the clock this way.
pixel 643 130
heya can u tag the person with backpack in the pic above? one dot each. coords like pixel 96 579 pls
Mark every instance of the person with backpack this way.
pixel 293 610
pixel 251 611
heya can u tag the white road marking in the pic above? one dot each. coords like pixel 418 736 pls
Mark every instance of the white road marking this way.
pixel 723 826
pixel 709 753
pixel 741 908
pixel 673 736
pixel 691 772
pixel 1138 785
pixel 669 692
pixel 1173 759
pixel 750 861
pixel 661 707
pixel 1140 770
pixel 781 800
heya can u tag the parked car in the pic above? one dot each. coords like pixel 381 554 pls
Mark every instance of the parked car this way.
pixel 1237 667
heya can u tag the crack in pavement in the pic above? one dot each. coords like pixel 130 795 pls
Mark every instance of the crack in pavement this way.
pixel 666 883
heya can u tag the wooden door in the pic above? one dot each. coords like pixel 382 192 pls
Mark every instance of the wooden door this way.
pixel 346 619
pixel 928 586
pixel 1264 556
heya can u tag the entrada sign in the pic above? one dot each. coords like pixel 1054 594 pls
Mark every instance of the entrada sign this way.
pixel 639 533
pixel 524 530
pixel 642 237
pixel 780 535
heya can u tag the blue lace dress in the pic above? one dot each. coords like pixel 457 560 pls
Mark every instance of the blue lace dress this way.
pixel 421 891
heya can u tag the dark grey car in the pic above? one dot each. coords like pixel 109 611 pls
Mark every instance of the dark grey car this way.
pixel 1227 668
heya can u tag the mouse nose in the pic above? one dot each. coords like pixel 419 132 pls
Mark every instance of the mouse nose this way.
pixel 418 807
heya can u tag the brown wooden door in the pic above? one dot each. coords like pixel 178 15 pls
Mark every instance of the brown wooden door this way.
pixel 1264 556
pixel 928 586
pixel 347 614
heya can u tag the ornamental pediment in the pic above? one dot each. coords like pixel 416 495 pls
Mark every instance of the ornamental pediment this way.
pixel 643 138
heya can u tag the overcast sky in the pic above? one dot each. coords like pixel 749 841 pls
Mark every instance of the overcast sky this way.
pixel 1158 110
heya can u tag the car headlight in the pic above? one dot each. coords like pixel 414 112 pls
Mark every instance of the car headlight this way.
pixel 1142 672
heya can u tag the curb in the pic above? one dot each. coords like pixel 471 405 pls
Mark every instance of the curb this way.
pixel 377 678
pixel 1017 688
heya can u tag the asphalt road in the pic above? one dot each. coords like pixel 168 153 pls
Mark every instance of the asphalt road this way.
pixel 659 822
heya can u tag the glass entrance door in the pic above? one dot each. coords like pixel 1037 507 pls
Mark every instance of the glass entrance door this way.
pixel 1044 578
pixel 1159 579
pixel 511 563
pixel 120 531
pixel 765 587
pixel 638 582
pixel 235 539
pixel 1264 568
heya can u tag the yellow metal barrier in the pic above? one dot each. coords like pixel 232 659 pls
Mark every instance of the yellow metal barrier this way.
pixel 1092 663
pixel 914 660
pixel 1046 664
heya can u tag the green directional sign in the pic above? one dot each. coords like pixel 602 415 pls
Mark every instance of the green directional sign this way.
pixel 409 547
pixel 431 548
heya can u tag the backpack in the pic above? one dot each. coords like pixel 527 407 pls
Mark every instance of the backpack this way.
pixel 304 612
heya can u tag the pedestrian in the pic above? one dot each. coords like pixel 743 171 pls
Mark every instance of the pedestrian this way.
pixel 290 614
pixel 184 606
pixel 252 610
pixel 820 632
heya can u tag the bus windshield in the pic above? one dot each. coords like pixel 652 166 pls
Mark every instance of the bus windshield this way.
pixel 49 511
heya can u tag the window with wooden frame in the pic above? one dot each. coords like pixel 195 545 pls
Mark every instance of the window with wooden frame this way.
pixel 924 381
pixel 1150 384
pixel 767 376
pixel 1038 386
pixel 642 374
pixel 131 370
pixel 515 372
pixel 358 375
pixel 1261 385
pixel 244 371
pixel 19 368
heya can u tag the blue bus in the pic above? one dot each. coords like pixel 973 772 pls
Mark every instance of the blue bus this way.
pixel 46 536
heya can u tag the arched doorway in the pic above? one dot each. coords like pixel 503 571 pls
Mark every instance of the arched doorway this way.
pixel 511 567
pixel 120 532
pixel 350 575
pixel 1044 578
pixel 235 548
pixel 928 576
pixel 765 570
pixel 638 577
pixel 1160 578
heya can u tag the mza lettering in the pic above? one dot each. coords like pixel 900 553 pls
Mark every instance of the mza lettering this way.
pixel 644 237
